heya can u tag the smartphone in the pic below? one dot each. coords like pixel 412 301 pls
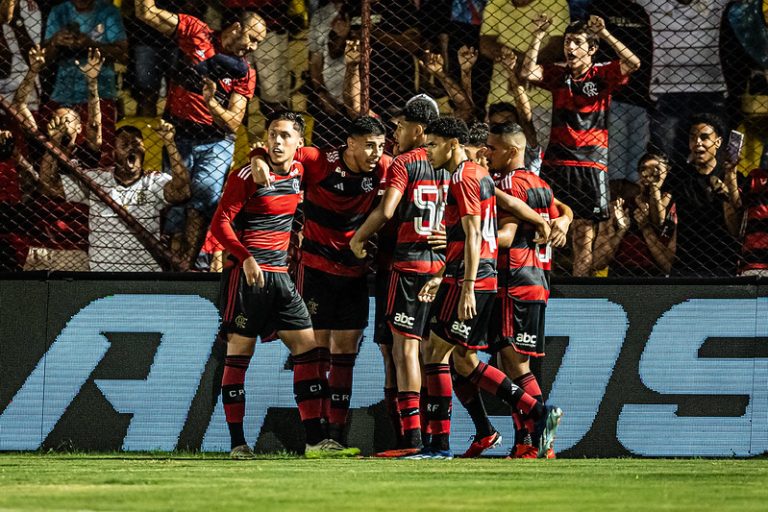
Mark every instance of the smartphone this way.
pixel 735 143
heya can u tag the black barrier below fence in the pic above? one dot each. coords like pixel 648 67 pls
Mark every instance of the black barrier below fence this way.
pixel 664 369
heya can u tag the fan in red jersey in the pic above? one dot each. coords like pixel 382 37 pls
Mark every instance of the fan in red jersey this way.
pixel 462 295
pixel 253 223
pixel 341 188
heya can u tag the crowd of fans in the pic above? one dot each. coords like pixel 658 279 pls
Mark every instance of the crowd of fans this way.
pixel 679 199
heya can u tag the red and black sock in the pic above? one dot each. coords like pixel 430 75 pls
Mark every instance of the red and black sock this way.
pixel 340 392
pixel 408 405
pixel 325 368
pixel 390 402
pixel 309 391
pixel 470 398
pixel 439 404
pixel 528 384
pixel 492 380
pixel 233 396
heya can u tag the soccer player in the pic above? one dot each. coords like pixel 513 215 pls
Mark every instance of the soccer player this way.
pixel 576 160
pixel 463 294
pixel 341 188
pixel 253 223
pixel 415 191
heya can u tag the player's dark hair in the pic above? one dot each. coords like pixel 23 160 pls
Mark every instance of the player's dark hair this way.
pixel 366 125
pixel 709 119
pixel 130 130
pixel 419 111
pixel 449 128
pixel 581 27
pixel 506 129
pixel 287 115
pixel 478 134
pixel 653 155
pixel 501 106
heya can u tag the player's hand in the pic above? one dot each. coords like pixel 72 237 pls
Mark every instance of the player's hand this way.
pixel 596 25
pixel 92 66
pixel 467 304
pixel 209 89
pixel 358 247
pixel 36 58
pixel 429 290
pixel 467 57
pixel 559 234
pixel 543 231
pixel 437 240
pixel 543 23
pixel 260 172
pixel 254 276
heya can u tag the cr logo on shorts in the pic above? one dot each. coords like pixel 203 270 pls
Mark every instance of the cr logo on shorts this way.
pixel 240 321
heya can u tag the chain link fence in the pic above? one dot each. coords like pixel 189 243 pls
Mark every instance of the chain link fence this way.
pixel 121 121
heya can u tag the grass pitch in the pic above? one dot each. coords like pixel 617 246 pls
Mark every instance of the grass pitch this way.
pixel 212 482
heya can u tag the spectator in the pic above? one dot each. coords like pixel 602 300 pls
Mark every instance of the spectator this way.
pixel 686 77
pixel 750 202
pixel 59 228
pixel 460 96
pixel 640 239
pixel 20 29
pixel 510 24
pixel 17 178
pixel 628 122
pixel 74 27
pixel 327 74
pixel 705 247
pixel 575 163
pixel 206 104
pixel 112 245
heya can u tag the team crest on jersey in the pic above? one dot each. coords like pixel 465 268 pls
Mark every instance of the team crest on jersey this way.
pixel 226 81
pixel 589 89
pixel 367 184
pixel 296 185
pixel 240 321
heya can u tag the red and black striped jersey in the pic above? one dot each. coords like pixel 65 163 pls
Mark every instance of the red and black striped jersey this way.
pixel 754 249
pixel 579 135
pixel 256 221
pixel 420 211
pixel 524 267
pixel 336 203
pixel 471 192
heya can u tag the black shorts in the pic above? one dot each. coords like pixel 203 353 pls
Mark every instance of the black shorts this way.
pixel 334 302
pixel 584 189
pixel 519 325
pixel 250 311
pixel 472 334
pixel 406 315
pixel 381 331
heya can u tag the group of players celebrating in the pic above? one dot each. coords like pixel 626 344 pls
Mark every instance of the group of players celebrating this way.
pixel 452 278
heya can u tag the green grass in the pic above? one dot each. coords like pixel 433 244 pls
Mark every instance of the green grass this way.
pixel 212 482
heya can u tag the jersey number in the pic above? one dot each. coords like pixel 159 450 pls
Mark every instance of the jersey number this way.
pixel 488 229
pixel 429 200
pixel 544 251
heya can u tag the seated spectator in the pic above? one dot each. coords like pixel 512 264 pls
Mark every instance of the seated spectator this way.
pixel 705 245
pixel 641 237
pixel 750 202
pixel 21 26
pixel 113 247
pixel 74 27
pixel 686 77
pixel 205 108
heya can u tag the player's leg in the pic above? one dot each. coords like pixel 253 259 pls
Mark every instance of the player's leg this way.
pixel 583 239
pixel 486 436
pixel 239 353
pixel 405 354
pixel 344 348
pixel 437 353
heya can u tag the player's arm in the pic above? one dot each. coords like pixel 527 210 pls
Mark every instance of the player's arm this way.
pixel 473 238
pixel 232 201
pixel 628 60
pixel 161 20
pixel 351 93
pixel 90 70
pixel 610 233
pixel 36 62
pixel 561 224
pixel 178 189
pixel 507 231
pixel 522 211
pixel 433 63
pixel 229 117
pixel 532 71
pixel 522 102
pixel 310 157
pixel 732 208
pixel 375 221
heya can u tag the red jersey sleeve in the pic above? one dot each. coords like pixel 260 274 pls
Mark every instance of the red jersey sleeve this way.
pixel 192 32
pixel 236 194
pixel 314 162
pixel 397 175
pixel 246 86
pixel 466 190
pixel 613 76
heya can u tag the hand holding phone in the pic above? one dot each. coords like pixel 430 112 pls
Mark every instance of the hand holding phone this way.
pixel 733 150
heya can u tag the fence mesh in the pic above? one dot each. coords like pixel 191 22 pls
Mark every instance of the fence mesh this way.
pixel 121 121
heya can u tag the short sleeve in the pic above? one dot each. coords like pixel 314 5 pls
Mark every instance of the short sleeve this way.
pixel 73 193
pixel 115 30
pixel 189 28
pixel 466 191
pixel 314 163
pixel 397 176
pixel 613 76
pixel 246 86
pixel 158 181
pixel 55 21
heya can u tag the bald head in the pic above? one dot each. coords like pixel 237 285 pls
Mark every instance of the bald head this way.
pixel 244 34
